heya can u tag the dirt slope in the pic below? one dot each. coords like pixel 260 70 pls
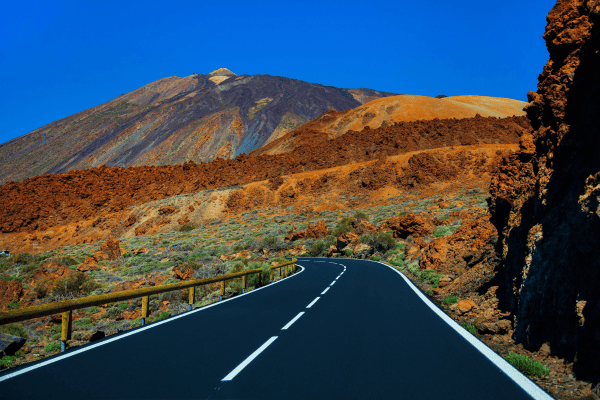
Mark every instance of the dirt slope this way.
pixel 545 199
pixel 405 108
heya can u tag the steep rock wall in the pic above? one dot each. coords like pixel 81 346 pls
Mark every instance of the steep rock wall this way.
pixel 545 198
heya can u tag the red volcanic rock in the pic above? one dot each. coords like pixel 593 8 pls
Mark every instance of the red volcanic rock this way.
pixel 317 231
pixel 8 292
pixel 130 221
pixel 346 239
pixel 167 210
pixel 110 250
pixel 410 225
pixel 183 275
pixel 88 265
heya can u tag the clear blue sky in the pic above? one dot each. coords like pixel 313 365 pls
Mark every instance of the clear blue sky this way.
pixel 60 57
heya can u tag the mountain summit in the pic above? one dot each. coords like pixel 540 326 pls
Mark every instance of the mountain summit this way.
pixel 222 71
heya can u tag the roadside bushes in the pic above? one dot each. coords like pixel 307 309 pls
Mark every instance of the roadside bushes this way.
pixel 526 365
pixel 317 248
pixel 75 285
pixel 380 241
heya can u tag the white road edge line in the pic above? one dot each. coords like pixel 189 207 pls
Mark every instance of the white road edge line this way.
pixel 313 302
pixel 248 360
pixel 525 383
pixel 292 321
pixel 153 325
pixel 324 291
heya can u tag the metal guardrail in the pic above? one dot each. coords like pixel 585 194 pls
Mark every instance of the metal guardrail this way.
pixel 66 307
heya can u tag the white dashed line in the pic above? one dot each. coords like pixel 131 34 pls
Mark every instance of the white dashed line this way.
pixel 313 302
pixel 332 283
pixel 325 291
pixel 248 360
pixel 292 321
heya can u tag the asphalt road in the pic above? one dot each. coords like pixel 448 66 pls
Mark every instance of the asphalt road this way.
pixel 368 336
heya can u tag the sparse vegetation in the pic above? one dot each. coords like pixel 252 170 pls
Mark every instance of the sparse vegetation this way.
pixel 450 300
pixel 526 365
pixel 470 328
pixel 75 285
pixel 14 329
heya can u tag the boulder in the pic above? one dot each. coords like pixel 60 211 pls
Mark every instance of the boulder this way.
pixel 317 231
pixel 10 344
pixel 464 306
pixel 88 265
pixel 410 225
pixel 333 250
pixel 96 336
pixel 141 250
pixel 362 250
pixel 110 250
pixel 346 239
pixel 363 226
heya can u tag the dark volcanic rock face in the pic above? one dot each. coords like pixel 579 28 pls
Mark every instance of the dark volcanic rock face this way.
pixel 545 199
pixel 173 120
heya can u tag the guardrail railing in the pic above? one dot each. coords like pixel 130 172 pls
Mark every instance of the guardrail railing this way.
pixel 66 307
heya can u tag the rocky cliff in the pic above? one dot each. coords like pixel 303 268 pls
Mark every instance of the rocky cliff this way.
pixel 545 199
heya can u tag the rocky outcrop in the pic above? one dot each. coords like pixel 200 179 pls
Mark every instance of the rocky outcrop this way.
pixel 316 231
pixel 10 344
pixel 545 199
pixel 410 225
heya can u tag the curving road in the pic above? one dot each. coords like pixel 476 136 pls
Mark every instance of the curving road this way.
pixel 340 329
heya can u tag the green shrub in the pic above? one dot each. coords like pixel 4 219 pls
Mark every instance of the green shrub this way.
pixel 187 228
pixel 67 261
pixel 429 292
pixel 76 284
pixel 470 328
pixel 450 300
pixel 14 304
pixel 14 329
pixel 84 322
pixel 380 241
pixel 526 365
pixel 92 310
pixel 163 315
pixel 445 230
pixel 317 248
pixel 40 290
pixel 359 215
pixel 375 258
pixel 52 347
pixel 348 252
pixel 128 254
pixel 7 361
pixel 22 258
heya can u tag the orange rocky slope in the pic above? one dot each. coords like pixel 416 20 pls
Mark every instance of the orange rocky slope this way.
pixel 389 110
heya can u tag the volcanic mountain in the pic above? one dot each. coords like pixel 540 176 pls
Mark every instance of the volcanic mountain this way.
pixel 173 120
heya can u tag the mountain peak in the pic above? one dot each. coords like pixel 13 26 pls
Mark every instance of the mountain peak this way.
pixel 222 71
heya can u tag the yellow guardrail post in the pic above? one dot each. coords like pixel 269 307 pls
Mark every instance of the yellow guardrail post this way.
pixel 244 283
pixel 145 300
pixel 67 327
pixel 271 277
pixel 222 290
pixel 192 297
